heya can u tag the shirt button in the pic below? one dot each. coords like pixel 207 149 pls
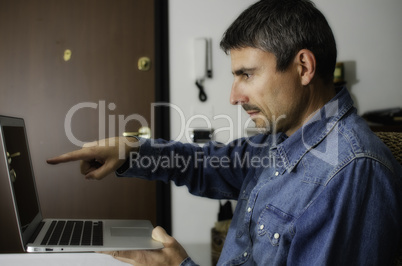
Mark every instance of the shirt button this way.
pixel 245 254
pixel 276 235
pixel 276 173
pixel 261 227
pixel 249 209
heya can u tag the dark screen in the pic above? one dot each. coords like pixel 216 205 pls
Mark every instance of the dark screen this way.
pixel 21 175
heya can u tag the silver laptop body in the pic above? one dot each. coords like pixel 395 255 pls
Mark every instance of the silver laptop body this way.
pixel 58 235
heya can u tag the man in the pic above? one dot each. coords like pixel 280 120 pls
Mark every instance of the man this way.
pixel 318 189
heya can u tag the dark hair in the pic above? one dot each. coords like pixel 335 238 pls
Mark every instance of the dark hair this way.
pixel 284 27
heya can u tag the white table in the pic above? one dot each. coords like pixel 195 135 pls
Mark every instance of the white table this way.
pixel 67 259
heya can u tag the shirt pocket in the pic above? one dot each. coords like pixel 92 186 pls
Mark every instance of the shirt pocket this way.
pixel 274 224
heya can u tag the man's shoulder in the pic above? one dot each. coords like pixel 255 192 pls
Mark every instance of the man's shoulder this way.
pixel 357 140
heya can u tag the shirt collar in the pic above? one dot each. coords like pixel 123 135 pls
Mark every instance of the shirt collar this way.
pixel 292 149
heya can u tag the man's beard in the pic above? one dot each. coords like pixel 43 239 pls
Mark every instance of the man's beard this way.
pixel 261 121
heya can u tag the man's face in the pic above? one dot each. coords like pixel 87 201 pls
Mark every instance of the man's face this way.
pixel 272 99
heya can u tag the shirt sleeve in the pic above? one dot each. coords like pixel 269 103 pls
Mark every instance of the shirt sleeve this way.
pixel 355 220
pixel 214 170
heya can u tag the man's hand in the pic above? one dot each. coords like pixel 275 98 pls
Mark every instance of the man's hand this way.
pixel 100 158
pixel 172 254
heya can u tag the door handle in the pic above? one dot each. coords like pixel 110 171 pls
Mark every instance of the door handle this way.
pixel 143 132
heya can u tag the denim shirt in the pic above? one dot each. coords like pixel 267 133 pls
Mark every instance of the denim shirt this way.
pixel 330 194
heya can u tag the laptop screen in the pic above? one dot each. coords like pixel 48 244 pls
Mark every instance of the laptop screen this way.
pixel 20 174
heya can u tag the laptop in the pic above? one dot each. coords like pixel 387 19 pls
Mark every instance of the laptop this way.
pixel 58 235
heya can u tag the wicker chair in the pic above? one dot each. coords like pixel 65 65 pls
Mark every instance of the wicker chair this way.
pixel 394 142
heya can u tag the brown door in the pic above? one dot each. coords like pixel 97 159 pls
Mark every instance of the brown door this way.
pixel 74 62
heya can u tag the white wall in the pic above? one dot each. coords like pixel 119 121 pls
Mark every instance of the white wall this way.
pixel 369 33
pixel 369 40
pixel 193 217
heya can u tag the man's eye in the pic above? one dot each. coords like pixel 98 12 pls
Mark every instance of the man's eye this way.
pixel 246 76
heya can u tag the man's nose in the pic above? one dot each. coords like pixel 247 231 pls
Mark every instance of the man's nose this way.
pixel 237 95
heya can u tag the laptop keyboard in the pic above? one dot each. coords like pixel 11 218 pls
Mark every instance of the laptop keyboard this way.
pixel 77 233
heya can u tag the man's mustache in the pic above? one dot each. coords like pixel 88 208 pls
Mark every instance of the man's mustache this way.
pixel 250 107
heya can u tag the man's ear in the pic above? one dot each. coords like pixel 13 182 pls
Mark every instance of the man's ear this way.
pixel 306 62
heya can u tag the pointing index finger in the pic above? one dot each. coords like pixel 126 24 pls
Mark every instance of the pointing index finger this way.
pixel 69 157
